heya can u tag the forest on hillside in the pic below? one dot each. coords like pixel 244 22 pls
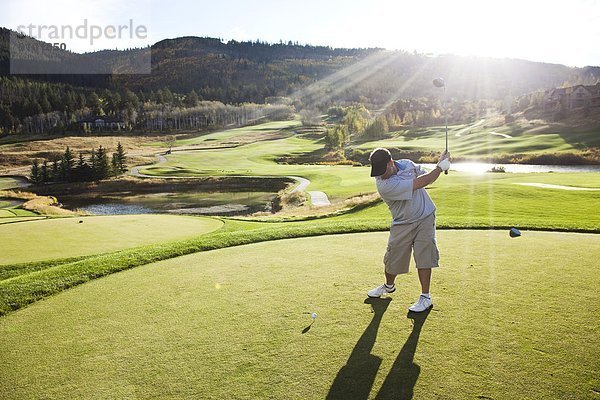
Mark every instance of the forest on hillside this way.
pixel 198 82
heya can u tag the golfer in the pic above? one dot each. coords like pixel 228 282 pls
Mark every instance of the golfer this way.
pixel 401 184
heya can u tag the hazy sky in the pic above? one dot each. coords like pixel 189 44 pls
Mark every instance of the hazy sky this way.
pixel 565 32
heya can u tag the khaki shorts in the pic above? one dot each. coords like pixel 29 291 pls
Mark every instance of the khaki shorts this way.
pixel 419 236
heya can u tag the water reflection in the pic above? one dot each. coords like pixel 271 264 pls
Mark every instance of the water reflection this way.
pixel 205 203
pixel 481 168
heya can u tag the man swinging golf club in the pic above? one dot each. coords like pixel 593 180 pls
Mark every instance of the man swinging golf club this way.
pixel 401 184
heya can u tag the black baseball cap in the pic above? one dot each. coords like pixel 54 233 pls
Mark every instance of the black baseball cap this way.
pixel 379 159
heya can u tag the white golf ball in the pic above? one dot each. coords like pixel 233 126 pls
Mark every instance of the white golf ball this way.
pixel 314 315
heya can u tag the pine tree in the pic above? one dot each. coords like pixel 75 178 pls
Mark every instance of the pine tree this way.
pixel 121 157
pixel 102 164
pixel 115 164
pixel 35 171
pixel 66 165
pixel 93 165
pixel 55 167
pixel 80 171
pixel 45 176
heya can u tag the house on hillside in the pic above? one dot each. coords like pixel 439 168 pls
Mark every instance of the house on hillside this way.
pixel 101 124
pixel 573 97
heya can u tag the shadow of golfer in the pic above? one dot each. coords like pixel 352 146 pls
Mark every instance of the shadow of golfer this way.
pixel 355 379
pixel 401 380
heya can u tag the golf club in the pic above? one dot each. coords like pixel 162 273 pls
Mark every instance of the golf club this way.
pixel 514 232
pixel 440 83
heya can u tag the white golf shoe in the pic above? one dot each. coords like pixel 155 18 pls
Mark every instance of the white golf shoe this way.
pixel 381 290
pixel 423 304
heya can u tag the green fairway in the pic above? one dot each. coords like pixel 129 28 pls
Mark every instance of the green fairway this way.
pixel 232 136
pixel 339 182
pixel 468 200
pixel 8 183
pixel 463 200
pixel 234 323
pixel 66 237
pixel 483 141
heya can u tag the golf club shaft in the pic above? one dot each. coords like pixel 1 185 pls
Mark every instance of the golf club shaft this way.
pixel 446 121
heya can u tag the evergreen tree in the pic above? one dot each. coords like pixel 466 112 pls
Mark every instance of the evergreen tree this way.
pixel 120 159
pixel 7 121
pixel 45 175
pixel 82 171
pixel 35 171
pixel 115 165
pixel 102 164
pixel 67 164
pixel 55 167
pixel 93 164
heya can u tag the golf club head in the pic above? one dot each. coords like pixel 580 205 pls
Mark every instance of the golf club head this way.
pixel 439 82
pixel 514 232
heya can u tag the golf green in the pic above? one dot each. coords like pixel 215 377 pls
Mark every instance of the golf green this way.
pixel 513 319
pixel 48 239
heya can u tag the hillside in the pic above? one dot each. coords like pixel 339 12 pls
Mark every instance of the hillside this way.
pixel 236 72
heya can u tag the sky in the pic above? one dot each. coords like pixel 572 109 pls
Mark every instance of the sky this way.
pixel 562 32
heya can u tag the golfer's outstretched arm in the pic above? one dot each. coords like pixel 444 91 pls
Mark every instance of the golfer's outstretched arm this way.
pixel 427 179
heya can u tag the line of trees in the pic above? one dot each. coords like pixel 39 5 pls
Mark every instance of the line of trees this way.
pixel 68 168
pixel 52 108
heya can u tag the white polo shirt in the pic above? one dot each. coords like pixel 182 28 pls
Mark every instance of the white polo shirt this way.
pixel 405 204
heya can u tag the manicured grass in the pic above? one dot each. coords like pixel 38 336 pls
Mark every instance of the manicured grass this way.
pixel 467 200
pixel 8 183
pixel 229 324
pixel 258 159
pixel 25 287
pixel 12 220
pixel 11 212
pixel 463 199
pixel 481 141
pixel 229 135
pixel 10 271
pixel 66 237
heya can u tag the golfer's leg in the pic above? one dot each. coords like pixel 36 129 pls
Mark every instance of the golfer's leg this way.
pixel 390 278
pixel 425 279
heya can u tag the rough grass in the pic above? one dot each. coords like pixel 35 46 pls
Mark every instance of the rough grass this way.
pixel 15 158
pixel 235 323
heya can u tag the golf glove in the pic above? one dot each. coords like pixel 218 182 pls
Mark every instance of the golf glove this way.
pixel 445 154
pixel 444 164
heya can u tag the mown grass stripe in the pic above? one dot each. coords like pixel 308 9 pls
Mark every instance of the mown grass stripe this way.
pixel 8 271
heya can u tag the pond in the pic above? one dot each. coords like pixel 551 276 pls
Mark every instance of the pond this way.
pixel 188 203
pixel 480 168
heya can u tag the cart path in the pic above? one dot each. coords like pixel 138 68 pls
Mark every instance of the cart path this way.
pixel 459 133
pixel 504 135
pixel 318 199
